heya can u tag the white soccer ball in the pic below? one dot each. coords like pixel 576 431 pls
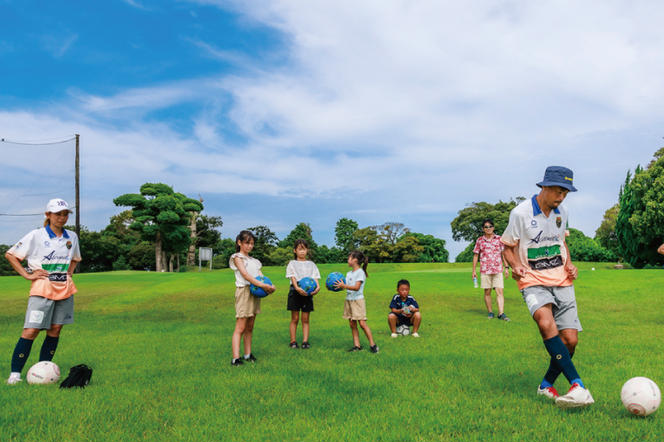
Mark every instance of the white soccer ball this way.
pixel 44 372
pixel 640 396
pixel 403 330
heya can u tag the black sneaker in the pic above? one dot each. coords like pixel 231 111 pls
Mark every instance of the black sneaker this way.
pixel 354 349
pixel 374 348
pixel 294 345
pixel 237 361
pixel 504 317
pixel 305 345
pixel 251 358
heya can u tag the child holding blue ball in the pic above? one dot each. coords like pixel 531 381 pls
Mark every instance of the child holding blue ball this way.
pixel 298 299
pixel 247 306
pixel 355 309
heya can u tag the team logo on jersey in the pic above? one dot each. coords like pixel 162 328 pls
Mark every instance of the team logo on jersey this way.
pixel 47 244
pixel 533 223
pixel 559 221
pixel 69 243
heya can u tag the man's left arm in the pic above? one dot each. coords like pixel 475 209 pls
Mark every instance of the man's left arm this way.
pixel 660 249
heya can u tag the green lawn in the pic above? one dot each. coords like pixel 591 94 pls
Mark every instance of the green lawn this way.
pixel 159 345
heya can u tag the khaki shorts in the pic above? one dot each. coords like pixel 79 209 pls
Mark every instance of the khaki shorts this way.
pixel 355 310
pixel 492 281
pixel 246 304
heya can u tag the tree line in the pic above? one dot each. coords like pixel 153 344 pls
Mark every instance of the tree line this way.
pixel 630 232
pixel 163 229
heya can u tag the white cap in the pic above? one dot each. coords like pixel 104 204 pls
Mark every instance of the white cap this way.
pixel 57 205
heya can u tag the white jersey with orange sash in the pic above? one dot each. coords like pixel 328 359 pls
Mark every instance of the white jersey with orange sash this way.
pixel 45 250
pixel 541 244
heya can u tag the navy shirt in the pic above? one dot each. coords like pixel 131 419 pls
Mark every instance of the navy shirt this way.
pixel 398 303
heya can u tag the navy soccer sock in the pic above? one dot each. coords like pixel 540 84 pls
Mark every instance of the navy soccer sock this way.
pixel 48 348
pixel 561 357
pixel 552 373
pixel 21 353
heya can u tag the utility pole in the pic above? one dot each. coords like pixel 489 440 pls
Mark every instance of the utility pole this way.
pixel 78 190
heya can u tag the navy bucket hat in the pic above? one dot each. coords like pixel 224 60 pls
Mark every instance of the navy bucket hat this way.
pixel 558 176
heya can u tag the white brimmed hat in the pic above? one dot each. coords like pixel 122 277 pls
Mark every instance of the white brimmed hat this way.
pixel 57 205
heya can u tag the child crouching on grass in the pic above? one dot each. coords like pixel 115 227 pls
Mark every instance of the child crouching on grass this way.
pixel 247 306
pixel 298 299
pixel 355 309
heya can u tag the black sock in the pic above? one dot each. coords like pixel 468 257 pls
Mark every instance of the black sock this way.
pixel 560 357
pixel 21 353
pixel 48 348
pixel 554 371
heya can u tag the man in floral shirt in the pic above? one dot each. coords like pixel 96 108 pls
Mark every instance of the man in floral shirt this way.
pixel 489 250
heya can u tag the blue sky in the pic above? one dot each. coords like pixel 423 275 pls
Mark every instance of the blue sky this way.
pixel 278 112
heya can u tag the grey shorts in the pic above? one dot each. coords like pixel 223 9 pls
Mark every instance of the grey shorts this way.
pixel 42 312
pixel 562 300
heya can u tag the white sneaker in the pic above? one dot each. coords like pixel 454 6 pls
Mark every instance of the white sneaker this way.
pixel 394 335
pixel 549 392
pixel 576 397
pixel 14 378
pixel 416 335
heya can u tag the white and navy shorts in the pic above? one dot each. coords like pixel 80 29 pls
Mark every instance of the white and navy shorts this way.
pixel 43 312
pixel 562 300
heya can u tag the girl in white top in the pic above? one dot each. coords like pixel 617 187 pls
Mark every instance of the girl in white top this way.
pixel 247 306
pixel 298 299
pixel 355 309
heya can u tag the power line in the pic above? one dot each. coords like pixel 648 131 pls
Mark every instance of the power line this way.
pixel 25 214
pixel 29 143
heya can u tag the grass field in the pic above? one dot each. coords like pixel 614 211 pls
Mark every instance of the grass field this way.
pixel 159 345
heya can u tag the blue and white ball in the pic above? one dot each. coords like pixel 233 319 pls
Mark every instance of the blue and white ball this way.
pixel 332 279
pixel 258 291
pixel 307 284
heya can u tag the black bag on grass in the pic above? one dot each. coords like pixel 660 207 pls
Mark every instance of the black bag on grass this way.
pixel 79 376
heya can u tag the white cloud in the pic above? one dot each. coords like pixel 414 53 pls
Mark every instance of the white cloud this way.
pixel 425 106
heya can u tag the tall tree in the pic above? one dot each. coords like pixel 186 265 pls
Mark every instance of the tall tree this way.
pixel 640 221
pixel 343 234
pixel 266 242
pixel 468 223
pixel 162 216
pixel 374 246
pixel 433 248
pixel 207 230
pixel 391 231
pixel 300 231
pixel 606 232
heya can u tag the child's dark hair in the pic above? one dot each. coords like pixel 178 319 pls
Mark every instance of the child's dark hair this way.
pixel 362 260
pixel 243 236
pixel 487 221
pixel 300 242
pixel 402 282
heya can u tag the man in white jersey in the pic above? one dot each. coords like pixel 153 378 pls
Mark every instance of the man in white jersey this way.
pixel 536 250
pixel 52 254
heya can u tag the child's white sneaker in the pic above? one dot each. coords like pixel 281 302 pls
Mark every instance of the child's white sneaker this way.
pixel 394 335
pixel 416 335
pixel 14 378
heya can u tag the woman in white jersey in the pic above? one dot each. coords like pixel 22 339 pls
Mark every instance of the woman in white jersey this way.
pixel 52 254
